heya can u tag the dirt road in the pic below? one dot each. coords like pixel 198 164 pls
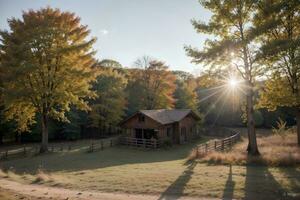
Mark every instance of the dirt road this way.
pixel 34 191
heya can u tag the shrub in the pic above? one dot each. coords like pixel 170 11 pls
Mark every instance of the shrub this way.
pixel 281 128
pixel 167 143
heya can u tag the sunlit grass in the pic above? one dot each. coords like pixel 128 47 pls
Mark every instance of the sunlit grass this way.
pixel 275 151
pixel 161 172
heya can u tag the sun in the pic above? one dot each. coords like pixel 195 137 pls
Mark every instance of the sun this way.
pixel 233 83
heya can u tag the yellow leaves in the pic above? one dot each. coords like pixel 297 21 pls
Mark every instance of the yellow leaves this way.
pixel 23 113
pixel 47 60
pixel 277 92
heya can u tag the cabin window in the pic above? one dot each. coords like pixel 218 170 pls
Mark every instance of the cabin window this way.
pixel 141 118
pixel 168 132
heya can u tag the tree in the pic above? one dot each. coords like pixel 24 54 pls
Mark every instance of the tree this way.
pixel 185 94
pixel 108 63
pixel 233 46
pixel 47 63
pixel 278 22
pixel 155 83
pixel 109 107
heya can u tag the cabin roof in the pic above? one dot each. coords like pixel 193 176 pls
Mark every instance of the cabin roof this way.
pixel 165 116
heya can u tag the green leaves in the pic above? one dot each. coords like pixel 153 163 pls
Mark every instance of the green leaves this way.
pixel 109 106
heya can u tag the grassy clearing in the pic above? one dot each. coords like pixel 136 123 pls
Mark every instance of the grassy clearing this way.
pixel 165 172
pixel 276 150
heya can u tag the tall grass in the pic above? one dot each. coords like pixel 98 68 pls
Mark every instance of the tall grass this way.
pixel 275 150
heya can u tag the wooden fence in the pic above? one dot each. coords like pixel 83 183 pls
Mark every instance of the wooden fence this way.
pixel 27 150
pixel 217 145
pixel 100 145
pixel 139 142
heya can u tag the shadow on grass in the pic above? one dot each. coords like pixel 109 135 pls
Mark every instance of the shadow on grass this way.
pixel 81 160
pixel 175 190
pixel 260 184
pixel 229 186
pixel 294 180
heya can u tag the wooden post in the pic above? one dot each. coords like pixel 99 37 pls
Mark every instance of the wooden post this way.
pixel 215 145
pixel 222 147
pixel 24 149
pixel 206 145
pixel 92 147
pixel 6 154
pixel 102 146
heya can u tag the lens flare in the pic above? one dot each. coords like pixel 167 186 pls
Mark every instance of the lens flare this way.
pixel 233 83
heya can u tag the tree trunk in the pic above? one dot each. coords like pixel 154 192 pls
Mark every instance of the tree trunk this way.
pixel 298 125
pixel 44 145
pixel 252 145
pixel 1 137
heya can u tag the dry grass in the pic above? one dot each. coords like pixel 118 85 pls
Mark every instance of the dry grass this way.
pixel 42 177
pixel 164 172
pixel 275 150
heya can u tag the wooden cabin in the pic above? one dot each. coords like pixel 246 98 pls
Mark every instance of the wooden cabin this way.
pixel 176 125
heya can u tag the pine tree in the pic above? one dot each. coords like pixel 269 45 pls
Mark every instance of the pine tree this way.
pixel 278 22
pixel 46 58
pixel 230 23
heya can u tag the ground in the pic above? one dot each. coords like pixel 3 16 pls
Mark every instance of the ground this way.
pixel 156 174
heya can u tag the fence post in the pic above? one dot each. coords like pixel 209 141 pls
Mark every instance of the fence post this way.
pixel 215 145
pixel 6 154
pixel 24 149
pixel 222 147
pixel 197 151
pixel 92 147
pixel 102 147
pixel 206 145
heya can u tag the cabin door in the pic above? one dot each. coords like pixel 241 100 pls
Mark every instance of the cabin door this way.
pixel 183 134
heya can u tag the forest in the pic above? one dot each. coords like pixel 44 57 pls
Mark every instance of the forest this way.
pixel 150 84
pixel 52 83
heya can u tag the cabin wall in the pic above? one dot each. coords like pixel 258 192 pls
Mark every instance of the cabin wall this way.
pixel 178 132
pixel 166 132
pixel 134 122
pixel 187 129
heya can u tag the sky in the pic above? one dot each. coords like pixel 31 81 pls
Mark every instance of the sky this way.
pixel 129 29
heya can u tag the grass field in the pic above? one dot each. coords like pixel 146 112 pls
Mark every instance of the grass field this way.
pixel 126 170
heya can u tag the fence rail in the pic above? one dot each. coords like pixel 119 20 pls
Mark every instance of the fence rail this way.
pixel 27 150
pixel 139 142
pixel 217 145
